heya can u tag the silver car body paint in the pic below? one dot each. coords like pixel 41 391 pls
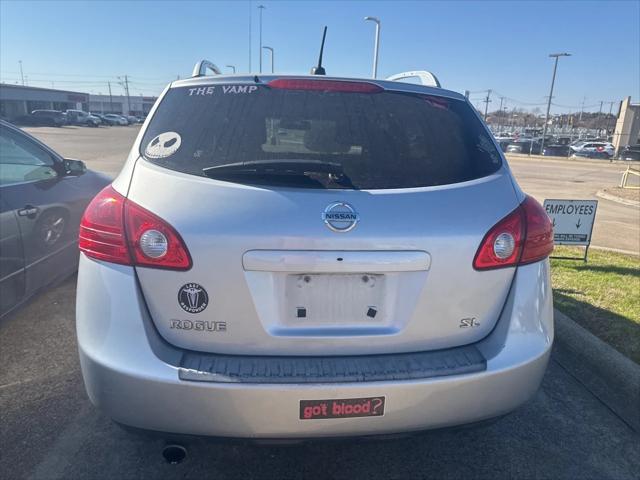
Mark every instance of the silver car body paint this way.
pixel 248 256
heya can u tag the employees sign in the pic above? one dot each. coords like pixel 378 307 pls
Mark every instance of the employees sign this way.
pixel 572 220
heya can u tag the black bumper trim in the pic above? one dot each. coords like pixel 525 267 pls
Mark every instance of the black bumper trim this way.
pixel 207 367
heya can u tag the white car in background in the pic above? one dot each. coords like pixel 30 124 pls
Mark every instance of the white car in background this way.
pixel 593 150
pixel 117 119
pixel 79 117
pixel 94 120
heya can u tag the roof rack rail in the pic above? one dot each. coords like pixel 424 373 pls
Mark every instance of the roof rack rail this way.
pixel 200 68
pixel 426 78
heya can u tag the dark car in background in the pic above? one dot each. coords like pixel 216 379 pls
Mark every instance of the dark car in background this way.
pixel 556 150
pixel 563 141
pixel 42 198
pixel 630 152
pixel 525 146
pixel 50 118
pixel 504 141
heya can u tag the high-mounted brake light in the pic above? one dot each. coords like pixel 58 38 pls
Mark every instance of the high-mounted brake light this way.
pixel 524 236
pixel 115 229
pixel 325 85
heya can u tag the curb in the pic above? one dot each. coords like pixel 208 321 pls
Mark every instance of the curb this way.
pixel 617 199
pixel 605 372
pixel 616 250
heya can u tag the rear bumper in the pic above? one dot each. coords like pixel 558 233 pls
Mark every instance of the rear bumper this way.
pixel 133 375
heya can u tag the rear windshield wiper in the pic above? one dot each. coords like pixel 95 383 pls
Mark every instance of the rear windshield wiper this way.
pixel 281 168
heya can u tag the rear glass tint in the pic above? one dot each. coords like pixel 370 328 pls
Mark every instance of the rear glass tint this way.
pixel 381 140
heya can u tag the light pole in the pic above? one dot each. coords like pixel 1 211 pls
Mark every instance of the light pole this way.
pixel 232 67
pixel 261 8
pixel 271 50
pixel 21 74
pixel 553 81
pixel 250 15
pixel 377 45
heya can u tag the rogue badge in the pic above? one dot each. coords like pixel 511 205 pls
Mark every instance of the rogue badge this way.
pixel 193 298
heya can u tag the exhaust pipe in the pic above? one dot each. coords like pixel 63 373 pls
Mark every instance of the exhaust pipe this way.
pixel 174 453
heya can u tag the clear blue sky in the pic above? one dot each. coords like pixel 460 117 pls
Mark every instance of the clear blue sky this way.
pixel 469 45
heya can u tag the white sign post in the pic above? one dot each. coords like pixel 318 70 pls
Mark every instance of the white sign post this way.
pixel 572 221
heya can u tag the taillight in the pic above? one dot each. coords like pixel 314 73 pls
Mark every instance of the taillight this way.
pixel 115 229
pixel 325 85
pixel 152 241
pixel 539 240
pixel 524 236
pixel 101 228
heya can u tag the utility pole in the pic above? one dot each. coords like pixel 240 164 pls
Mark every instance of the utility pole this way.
pixel 553 81
pixel 599 118
pixel 261 8
pixel 486 104
pixel 500 113
pixel 610 114
pixel 584 99
pixel 376 45
pixel 126 87
pixel 21 73
pixel 110 99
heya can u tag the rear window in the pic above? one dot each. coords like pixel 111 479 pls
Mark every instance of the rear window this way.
pixel 380 140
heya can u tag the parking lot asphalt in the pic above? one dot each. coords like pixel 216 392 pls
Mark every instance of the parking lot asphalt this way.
pixel 50 430
pixel 617 226
pixel 103 149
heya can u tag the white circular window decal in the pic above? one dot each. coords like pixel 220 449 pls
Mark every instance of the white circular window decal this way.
pixel 164 145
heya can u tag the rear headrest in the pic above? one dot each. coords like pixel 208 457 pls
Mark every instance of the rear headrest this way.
pixel 322 138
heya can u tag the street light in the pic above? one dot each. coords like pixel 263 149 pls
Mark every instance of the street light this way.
pixel 261 8
pixel 377 44
pixel 233 67
pixel 271 50
pixel 553 81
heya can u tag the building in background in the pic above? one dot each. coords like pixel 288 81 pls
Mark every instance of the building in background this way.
pixel 121 104
pixel 17 100
pixel 628 125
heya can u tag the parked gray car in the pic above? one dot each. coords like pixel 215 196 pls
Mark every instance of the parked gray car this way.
pixel 294 257
pixel 42 198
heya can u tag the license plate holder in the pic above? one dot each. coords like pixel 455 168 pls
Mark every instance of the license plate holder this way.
pixel 318 300
pixel 342 408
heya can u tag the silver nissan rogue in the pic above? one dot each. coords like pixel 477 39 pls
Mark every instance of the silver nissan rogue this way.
pixel 308 256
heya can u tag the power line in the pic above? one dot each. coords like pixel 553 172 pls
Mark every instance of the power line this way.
pixel 83 75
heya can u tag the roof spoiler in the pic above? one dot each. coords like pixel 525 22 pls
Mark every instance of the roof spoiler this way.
pixel 200 68
pixel 426 78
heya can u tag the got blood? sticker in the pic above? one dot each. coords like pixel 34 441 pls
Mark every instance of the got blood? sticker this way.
pixel 341 408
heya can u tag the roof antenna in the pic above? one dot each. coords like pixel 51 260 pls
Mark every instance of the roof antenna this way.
pixel 319 70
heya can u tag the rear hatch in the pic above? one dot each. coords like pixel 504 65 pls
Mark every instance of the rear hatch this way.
pixel 322 220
